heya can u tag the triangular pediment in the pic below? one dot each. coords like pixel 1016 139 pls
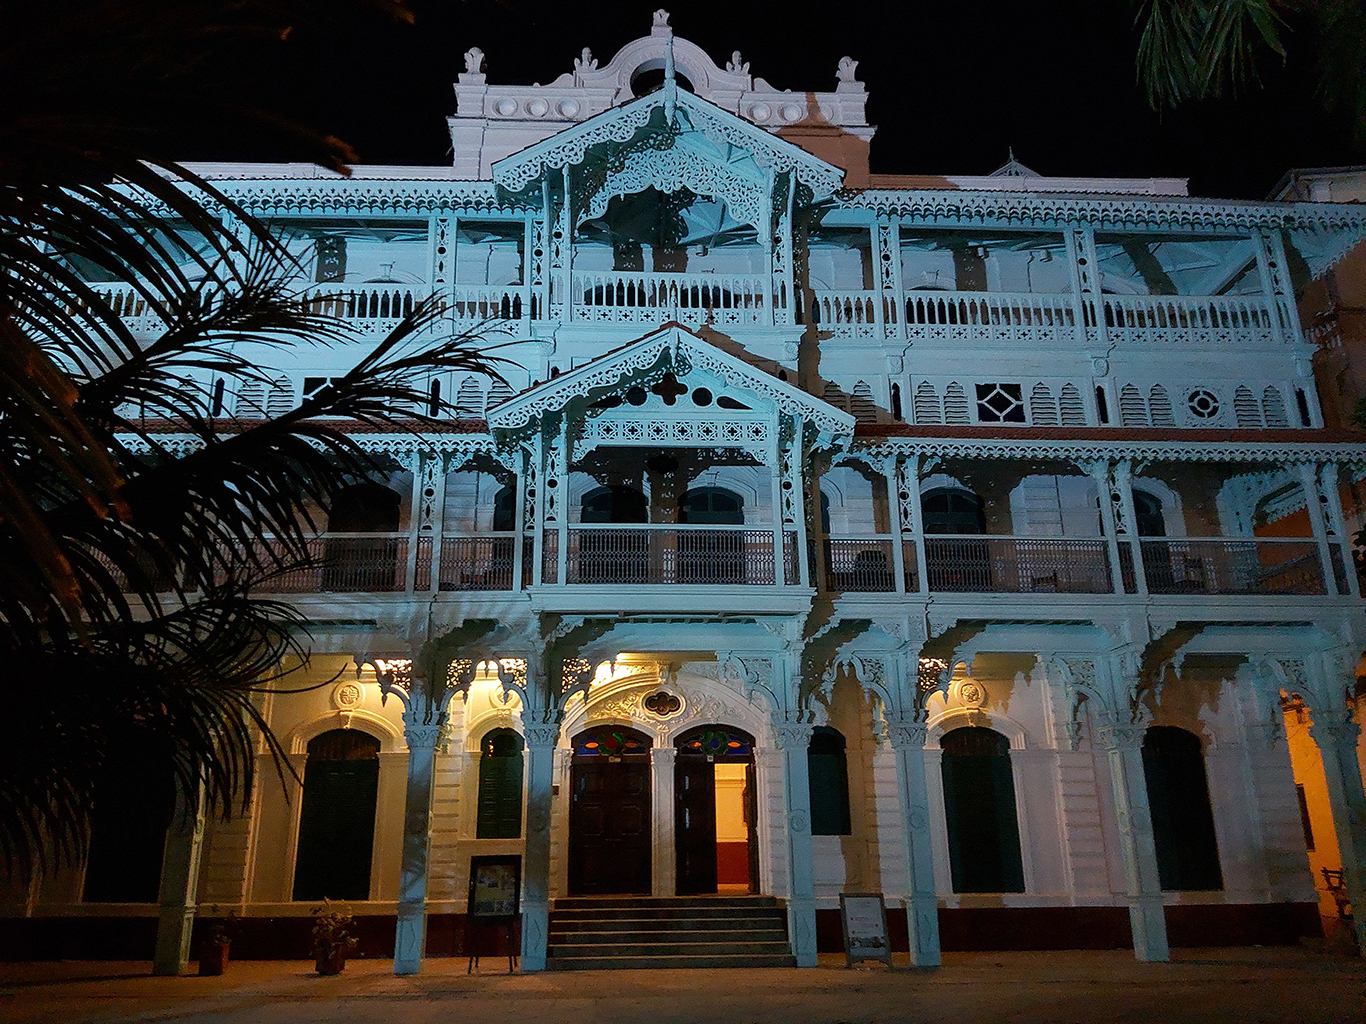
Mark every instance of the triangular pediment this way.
pixel 669 375
pixel 687 137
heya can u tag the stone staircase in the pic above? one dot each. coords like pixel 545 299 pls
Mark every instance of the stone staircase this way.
pixel 594 932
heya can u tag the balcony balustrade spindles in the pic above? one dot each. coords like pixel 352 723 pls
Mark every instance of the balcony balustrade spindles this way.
pixel 1148 318
pixel 375 301
pixel 480 302
pixel 723 556
pixel 625 297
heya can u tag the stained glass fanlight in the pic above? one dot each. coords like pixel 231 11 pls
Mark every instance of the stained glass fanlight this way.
pixel 716 741
pixel 610 741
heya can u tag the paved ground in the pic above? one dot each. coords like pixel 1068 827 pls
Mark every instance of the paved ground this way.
pixel 1214 986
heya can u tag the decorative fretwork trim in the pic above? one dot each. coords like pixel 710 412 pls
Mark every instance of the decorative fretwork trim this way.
pixel 1157 451
pixel 351 196
pixel 620 124
pixel 653 351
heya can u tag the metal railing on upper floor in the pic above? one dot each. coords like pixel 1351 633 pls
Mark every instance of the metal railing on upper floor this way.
pixel 658 554
pixel 1233 565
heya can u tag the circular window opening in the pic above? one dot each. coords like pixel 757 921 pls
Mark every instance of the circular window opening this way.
pixel 701 397
pixel 1203 404
pixel 650 79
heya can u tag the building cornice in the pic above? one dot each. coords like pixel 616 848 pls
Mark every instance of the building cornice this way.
pixel 1084 444
pixel 1117 213
pixel 273 197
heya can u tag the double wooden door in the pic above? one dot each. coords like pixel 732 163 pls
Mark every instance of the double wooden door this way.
pixel 610 826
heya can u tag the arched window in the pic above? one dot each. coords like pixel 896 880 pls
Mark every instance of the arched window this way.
pixel 712 506
pixel 337 820
pixel 614 505
pixel 500 785
pixel 1178 797
pixel 979 808
pixel 828 772
pixel 134 802
pixel 952 510
pixel 505 509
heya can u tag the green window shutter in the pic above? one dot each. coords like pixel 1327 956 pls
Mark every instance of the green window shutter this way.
pixel 337 820
pixel 827 770
pixel 500 797
pixel 336 830
pixel 1007 824
pixel 979 810
pixel 829 777
pixel 1183 820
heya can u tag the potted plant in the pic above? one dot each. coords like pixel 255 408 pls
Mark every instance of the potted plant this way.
pixel 213 949
pixel 332 938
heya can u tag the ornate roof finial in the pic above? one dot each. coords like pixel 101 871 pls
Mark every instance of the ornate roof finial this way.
pixel 587 62
pixel 670 78
pixel 1012 168
pixel 474 61
pixel 845 71
pixel 737 65
pixel 661 19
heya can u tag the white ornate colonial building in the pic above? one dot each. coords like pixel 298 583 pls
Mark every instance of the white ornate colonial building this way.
pixel 960 539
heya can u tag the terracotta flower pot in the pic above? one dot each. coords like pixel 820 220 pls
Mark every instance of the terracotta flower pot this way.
pixel 332 964
pixel 213 958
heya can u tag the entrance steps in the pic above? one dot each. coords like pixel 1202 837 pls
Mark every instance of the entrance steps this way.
pixel 595 932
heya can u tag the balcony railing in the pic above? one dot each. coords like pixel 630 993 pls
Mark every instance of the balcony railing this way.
pixel 489 302
pixel 348 562
pixel 1245 565
pixel 623 297
pixel 738 556
pixel 646 554
pixel 1148 318
pixel 1017 565
pixel 634 297
pixel 851 312
pixel 1050 318
pixel 125 302
pixel 362 301
pixel 484 562
pixel 862 564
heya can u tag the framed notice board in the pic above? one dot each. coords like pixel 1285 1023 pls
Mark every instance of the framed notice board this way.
pixel 495 887
pixel 863 916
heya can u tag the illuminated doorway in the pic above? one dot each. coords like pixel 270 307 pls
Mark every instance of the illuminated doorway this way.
pixel 715 813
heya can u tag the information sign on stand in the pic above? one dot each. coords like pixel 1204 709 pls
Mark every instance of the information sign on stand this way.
pixel 494 899
pixel 863 916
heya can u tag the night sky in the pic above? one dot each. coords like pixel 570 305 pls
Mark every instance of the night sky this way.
pixel 951 86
